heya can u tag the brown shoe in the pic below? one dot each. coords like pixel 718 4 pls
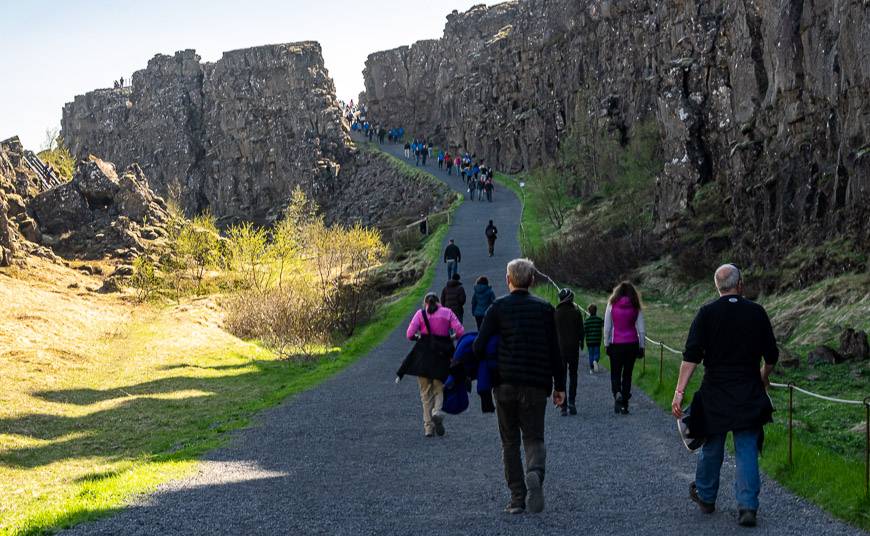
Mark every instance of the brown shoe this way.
pixel 707 508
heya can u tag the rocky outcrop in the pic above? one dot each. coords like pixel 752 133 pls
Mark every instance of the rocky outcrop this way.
pixel 100 213
pixel 769 99
pixel 235 136
pixel 19 183
pixel 375 192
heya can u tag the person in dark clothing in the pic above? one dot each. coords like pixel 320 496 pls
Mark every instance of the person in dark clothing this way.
pixel 491 233
pixel 730 336
pixel 453 296
pixel 424 224
pixel 489 187
pixel 452 256
pixel 569 328
pixel 528 369
pixel 481 299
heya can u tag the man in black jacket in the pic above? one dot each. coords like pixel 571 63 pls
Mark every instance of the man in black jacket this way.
pixel 529 365
pixel 730 336
pixel 452 256
pixel 569 327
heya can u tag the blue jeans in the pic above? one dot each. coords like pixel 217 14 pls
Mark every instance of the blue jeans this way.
pixel 452 268
pixel 748 482
pixel 594 355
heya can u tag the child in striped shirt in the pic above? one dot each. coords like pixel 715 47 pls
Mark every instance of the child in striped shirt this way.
pixel 594 326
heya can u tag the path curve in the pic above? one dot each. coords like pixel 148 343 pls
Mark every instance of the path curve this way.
pixel 349 457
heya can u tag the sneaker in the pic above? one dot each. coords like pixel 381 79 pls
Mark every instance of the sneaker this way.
pixel 617 403
pixel 572 409
pixel 746 518
pixel 534 493
pixel 707 508
pixel 597 367
pixel 591 370
pixel 624 409
pixel 429 434
pixel 438 421
pixel 514 509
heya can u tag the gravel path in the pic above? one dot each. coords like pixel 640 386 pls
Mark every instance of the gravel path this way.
pixel 349 457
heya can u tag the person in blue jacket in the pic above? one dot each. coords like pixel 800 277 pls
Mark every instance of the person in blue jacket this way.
pixel 482 299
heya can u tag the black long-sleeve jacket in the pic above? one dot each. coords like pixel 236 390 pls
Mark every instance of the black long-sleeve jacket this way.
pixel 528 348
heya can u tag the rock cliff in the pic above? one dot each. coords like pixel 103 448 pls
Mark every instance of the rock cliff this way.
pixel 769 99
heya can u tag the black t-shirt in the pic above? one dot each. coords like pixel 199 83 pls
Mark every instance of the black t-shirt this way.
pixel 731 336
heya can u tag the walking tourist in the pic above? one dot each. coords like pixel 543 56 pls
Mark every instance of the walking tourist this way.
pixel 592 329
pixel 434 328
pixel 453 296
pixel 528 367
pixel 569 328
pixel 482 298
pixel 452 257
pixel 491 233
pixel 730 336
pixel 624 332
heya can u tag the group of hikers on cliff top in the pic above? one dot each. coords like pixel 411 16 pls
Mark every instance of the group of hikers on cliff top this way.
pixel 526 350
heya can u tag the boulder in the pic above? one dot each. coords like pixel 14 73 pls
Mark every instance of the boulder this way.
pixel 61 209
pixel 97 181
pixel 853 344
pixel 824 355
pixel 788 359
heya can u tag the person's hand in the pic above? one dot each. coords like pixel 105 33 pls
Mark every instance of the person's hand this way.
pixel 765 379
pixel 677 405
pixel 558 398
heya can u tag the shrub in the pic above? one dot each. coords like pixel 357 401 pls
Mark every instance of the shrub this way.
pixel 144 278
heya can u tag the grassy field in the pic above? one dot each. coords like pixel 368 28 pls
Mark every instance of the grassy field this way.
pixel 103 400
pixel 828 454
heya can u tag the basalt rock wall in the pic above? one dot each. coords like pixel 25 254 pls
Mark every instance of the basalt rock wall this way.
pixel 234 137
pixel 769 99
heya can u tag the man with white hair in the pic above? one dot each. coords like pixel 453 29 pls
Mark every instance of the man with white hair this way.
pixel 529 365
pixel 730 336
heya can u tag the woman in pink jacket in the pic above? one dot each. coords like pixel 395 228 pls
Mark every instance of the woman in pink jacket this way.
pixel 445 326
pixel 624 336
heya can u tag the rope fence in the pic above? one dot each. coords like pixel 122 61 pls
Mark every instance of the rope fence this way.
pixel 790 386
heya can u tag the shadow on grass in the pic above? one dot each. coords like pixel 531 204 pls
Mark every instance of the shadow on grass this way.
pixel 146 421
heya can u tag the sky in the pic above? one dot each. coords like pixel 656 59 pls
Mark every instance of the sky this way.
pixel 53 50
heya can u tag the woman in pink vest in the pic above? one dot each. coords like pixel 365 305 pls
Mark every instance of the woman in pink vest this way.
pixel 431 371
pixel 624 335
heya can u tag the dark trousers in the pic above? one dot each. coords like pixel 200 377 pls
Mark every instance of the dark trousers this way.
pixel 491 243
pixel 479 321
pixel 573 361
pixel 622 358
pixel 520 411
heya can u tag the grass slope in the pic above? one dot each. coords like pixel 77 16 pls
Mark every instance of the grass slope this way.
pixel 112 420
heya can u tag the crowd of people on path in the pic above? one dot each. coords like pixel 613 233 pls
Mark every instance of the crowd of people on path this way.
pixel 526 351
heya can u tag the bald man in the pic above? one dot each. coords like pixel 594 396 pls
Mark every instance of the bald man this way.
pixel 731 336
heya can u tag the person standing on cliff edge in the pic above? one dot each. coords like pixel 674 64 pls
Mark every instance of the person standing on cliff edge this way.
pixel 528 367
pixel 730 336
